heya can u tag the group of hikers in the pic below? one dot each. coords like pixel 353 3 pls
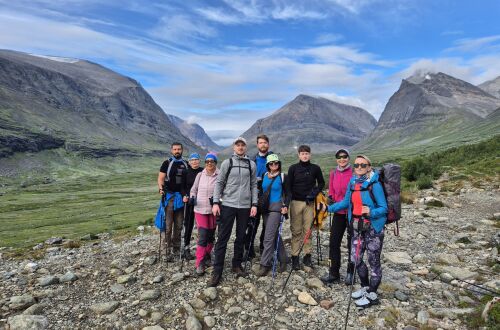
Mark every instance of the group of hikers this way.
pixel 245 190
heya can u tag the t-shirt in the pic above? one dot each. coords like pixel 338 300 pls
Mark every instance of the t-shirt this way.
pixel 276 188
pixel 177 180
pixel 357 202
pixel 191 176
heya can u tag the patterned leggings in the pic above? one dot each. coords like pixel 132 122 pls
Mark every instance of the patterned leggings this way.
pixel 372 242
pixel 206 236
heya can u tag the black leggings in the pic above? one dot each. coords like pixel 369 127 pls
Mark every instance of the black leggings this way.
pixel 337 229
pixel 188 225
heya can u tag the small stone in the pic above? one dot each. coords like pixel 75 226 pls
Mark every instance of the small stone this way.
pixel 398 258
pixel 105 307
pixel 156 316
pixel 153 327
pixel 327 304
pixel 68 277
pixel 48 280
pixel 314 283
pixel 210 293
pixel 117 288
pixel 125 279
pixel 209 321
pixel 401 296
pixel 234 310
pixel 420 258
pixel 150 294
pixel 115 272
pixel 445 277
pixel 198 303
pixel 21 302
pixel 459 272
pixel 158 279
pixel 36 309
pixel 306 299
pixel 23 322
pixel 447 258
pixel 192 323
pixel 143 313
pixel 131 269
pixel 177 277
pixel 31 267
pixel 140 228
pixel 420 272
pixel 423 317
pixel 54 240
pixel 283 319
pixel 39 246
pixel 89 237
pixel 151 260
pixel 120 263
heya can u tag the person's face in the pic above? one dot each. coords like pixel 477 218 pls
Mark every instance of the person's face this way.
pixel 361 166
pixel 176 151
pixel 240 148
pixel 195 163
pixel 210 164
pixel 262 145
pixel 305 156
pixel 342 159
pixel 274 166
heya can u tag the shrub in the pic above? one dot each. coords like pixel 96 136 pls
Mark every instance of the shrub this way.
pixel 424 182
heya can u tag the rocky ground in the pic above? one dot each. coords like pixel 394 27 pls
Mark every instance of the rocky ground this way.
pixel 121 284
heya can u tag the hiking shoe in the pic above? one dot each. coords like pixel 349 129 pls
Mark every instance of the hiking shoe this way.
pixel 187 255
pixel 200 270
pixel 207 261
pixel 307 260
pixel 215 280
pixel 359 293
pixel 367 300
pixel 239 271
pixel 330 278
pixel 263 271
pixel 349 279
pixel 295 263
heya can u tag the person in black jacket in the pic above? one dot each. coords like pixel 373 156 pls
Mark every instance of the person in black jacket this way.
pixel 193 169
pixel 306 181
pixel 172 184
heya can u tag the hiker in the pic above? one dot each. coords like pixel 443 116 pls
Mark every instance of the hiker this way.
pixel 260 162
pixel 306 181
pixel 339 180
pixel 276 193
pixel 202 194
pixel 235 196
pixel 172 184
pixel 366 211
pixel 192 171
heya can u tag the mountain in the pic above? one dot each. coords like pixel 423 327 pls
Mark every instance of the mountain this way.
pixel 431 110
pixel 492 87
pixel 195 133
pixel 51 102
pixel 323 124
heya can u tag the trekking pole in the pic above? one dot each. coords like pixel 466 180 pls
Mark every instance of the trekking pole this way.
pixel 181 250
pixel 356 260
pixel 495 293
pixel 164 225
pixel 275 258
pixel 306 237
pixel 252 237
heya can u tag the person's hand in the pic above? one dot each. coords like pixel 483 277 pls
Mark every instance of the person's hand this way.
pixel 216 210
pixel 366 210
pixel 253 211
pixel 161 191
pixel 284 210
pixel 185 199
pixel 324 208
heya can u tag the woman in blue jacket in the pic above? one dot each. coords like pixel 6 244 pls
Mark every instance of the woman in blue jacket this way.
pixel 366 209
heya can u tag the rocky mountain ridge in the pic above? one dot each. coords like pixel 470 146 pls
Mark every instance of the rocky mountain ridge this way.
pixel 195 133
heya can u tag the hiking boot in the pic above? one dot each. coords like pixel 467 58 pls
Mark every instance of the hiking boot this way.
pixel 295 263
pixel 200 270
pixel 207 261
pixel 239 271
pixel 282 268
pixel 215 280
pixel 349 279
pixel 251 254
pixel 187 255
pixel 331 278
pixel 359 293
pixel 307 260
pixel 367 300
pixel 176 253
pixel 263 271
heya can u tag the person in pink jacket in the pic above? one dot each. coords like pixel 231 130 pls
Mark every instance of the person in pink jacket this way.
pixel 202 192
pixel 339 180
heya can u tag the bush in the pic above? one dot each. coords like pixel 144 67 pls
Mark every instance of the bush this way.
pixel 424 182
pixel 419 166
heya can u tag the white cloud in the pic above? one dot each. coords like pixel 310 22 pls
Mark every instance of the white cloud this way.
pixel 181 29
pixel 263 41
pixel 193 119
pixel 490 43
pixel 327 38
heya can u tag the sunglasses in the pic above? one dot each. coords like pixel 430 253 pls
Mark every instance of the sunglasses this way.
pixel 342 157
pixel 356 165
pixel 273 163
pixel 209 162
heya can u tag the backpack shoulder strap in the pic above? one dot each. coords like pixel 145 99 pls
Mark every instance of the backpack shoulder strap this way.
pixel 228 170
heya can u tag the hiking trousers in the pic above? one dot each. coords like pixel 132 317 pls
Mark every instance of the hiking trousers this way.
pixel 371 242
pixel 206 236
pixel 272 221
pixel 174 226
pixel 188 225
pixel 337 229
pixel 227 217
pixel 252 233
pixel 301 218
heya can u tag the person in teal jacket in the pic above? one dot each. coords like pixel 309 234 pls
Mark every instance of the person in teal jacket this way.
pixel 366 210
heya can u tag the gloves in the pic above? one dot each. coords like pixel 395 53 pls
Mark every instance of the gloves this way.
pixel 192 201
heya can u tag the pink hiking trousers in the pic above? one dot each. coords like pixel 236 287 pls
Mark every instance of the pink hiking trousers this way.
pixel 206 236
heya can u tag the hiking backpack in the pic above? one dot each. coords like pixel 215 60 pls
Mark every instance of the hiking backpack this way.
pixel 390 179
pixel 171 162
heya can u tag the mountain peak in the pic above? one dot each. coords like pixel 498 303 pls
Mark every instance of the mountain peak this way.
pixel 492 87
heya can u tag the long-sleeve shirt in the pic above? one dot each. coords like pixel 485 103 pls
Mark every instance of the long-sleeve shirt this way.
pixel 303 177
pixel 203 189
pixel 339 180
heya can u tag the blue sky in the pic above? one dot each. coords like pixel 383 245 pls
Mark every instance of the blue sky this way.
pixel 224 64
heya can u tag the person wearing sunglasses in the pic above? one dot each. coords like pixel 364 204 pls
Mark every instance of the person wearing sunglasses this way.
pixel 367 213
pixel 276 191
pixel 339 180
pixel 202 192
pixel 192 171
